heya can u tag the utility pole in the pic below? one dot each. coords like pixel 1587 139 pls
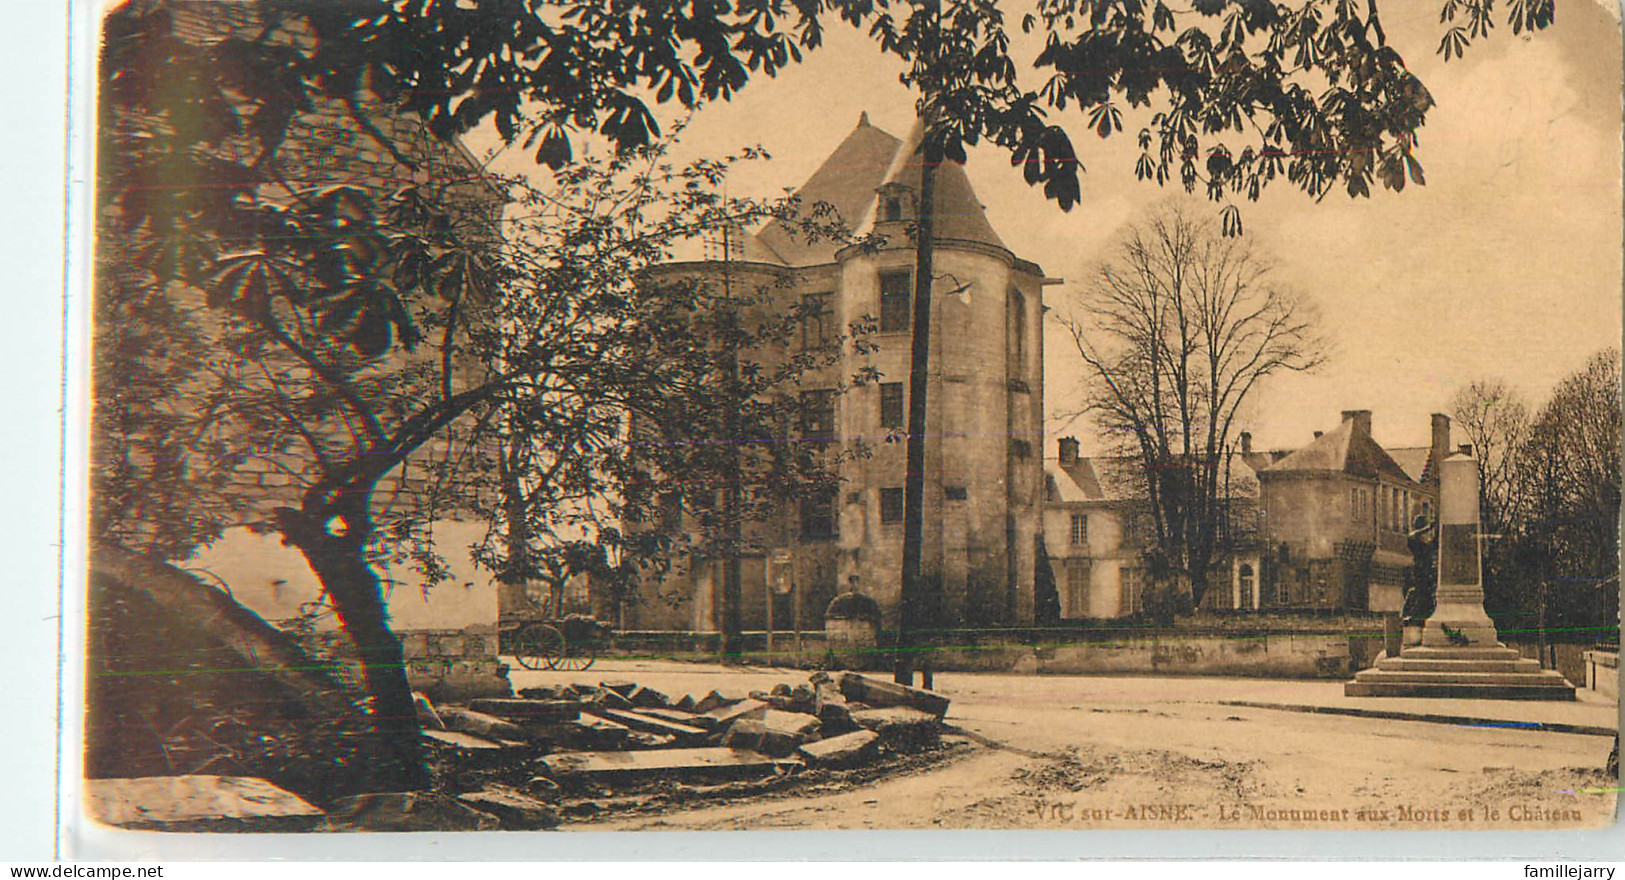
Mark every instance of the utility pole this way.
pixel 917 608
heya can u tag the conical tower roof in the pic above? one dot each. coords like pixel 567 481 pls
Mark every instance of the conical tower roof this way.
pixel 958 213
pixel 850 179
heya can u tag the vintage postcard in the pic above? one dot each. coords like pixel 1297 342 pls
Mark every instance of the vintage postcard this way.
pixel 639 416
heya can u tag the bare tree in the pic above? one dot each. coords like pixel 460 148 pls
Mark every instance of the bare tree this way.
pixel 1569 471
pixel 1176 330
pixel 1495 419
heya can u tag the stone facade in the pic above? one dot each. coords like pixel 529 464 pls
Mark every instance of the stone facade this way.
pixel 1098 526
pixel 985 416
pixel 1320 528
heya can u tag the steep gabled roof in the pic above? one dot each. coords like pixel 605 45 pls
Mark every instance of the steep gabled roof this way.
pixel 846 182
pixel 959 214
pixel 1344 450
pixel 849 181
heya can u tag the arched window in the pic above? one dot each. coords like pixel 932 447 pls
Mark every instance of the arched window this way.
pixel 1246 585
pixel 1018 328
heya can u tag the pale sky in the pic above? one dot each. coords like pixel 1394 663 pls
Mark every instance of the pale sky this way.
pixel 1506 264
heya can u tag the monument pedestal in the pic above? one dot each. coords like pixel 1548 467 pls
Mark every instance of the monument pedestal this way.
pixel 1461 655
pixel 1477 672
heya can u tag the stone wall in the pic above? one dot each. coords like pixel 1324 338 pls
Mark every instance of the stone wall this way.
pixel 1333 650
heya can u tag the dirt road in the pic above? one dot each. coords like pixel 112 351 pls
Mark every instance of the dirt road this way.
pixel 1060 752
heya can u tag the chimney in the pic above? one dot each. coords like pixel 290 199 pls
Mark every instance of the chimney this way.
pixel 1361 419
pixel 1246 443
pixel 1069 451
pixel 1441 437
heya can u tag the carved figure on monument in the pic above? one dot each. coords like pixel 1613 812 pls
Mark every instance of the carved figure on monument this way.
pixel 1423 542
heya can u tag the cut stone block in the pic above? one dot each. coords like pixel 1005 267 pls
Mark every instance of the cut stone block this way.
pixel 637 739
pixel 548 692
pixel 462 741
pixel 676 716
pixel 776 733
pixel 723 716
pixel 649 698
pixel 650 724
pixel 899 726
pixel 620 686
pixel 684 703
pixel 832 709
pixel 516 811
pixel 665 763
pixel 795 724
pixel 591 732
pixel 527 711
pixel 198 803
pixel 607 698
pixel 712 701
pixel 876 692
pixel 410 811
pixel 841 751
pixel 481 724
pixel 542 788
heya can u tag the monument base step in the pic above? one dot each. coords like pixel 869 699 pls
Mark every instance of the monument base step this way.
pixel 1512 679
pixel 1480 673
pixel 1403 664
pixel 1482 652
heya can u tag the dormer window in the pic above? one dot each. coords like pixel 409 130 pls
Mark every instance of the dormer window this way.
pixel 896 203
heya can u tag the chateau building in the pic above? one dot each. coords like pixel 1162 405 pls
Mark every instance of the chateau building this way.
pixel 1323 527
pixel 984 479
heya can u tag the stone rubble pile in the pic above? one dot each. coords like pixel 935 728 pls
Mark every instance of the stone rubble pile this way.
pixel 525 762
pixel 602 739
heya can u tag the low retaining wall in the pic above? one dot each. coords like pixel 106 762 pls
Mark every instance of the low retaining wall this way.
pixel 1263 655
pixel 1122 651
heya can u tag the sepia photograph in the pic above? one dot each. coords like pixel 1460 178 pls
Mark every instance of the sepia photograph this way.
pixel 799 415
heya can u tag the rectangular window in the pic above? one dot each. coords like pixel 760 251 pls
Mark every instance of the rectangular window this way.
pixel 818 416
pixel 891 505
pixel 1080 530
pixel 1077 587
pixel 891 405
pixel 894 301
pixel 955 493
pixel 1129 603
pixel 818 519
pixel 817 321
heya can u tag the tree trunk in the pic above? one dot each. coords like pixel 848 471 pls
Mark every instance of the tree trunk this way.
pixel 334 545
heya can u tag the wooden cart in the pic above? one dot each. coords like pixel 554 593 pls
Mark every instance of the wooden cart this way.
pixel 568 643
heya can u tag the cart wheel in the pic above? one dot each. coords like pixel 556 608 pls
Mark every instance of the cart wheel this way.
pixel 539 647
pixel 580 656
